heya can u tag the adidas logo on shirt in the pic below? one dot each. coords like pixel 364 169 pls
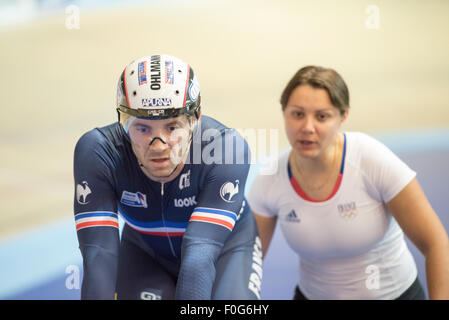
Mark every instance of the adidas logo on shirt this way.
pixel 292 217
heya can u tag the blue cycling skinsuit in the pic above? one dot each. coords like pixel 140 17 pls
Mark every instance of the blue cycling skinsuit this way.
pixel 191 238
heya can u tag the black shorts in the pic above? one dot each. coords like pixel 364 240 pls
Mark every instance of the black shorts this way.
pixel 414 292
pixel 142 276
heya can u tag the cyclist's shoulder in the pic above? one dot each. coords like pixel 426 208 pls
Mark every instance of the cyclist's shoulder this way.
pixel 210 129
pixel 209 123
pixel 99 136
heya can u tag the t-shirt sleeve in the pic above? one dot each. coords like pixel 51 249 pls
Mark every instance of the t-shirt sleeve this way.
pixel 386 173
pixel 260 196
pixel 96 218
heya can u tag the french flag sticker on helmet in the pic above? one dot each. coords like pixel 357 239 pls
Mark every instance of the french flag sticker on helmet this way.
pixel 169 76
pixel 142 70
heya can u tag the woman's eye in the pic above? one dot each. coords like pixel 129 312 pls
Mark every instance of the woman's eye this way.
pixel 322 116
pixel 297 114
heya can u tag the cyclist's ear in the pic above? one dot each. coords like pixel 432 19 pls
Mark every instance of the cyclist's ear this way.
pixel 198 114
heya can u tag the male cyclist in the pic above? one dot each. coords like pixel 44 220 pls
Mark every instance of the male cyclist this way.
pixel 177 179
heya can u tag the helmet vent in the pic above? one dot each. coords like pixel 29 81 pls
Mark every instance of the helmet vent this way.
pixel 131 73
pixel 134 93
pixel 177 92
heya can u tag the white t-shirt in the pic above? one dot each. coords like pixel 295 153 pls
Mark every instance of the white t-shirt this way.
pixel 350 246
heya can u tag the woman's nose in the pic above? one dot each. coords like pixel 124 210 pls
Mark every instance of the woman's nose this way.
pixel 308 125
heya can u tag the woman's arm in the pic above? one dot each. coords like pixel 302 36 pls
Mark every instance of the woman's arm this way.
pixel 266 227
pixel 421 224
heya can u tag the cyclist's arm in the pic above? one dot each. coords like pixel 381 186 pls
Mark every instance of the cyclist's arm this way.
pixel 210 225
pixel 96 219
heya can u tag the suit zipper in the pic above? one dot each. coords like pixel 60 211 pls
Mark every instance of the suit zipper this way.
pixel 163 221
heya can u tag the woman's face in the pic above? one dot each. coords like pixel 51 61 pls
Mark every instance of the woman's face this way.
pixel 311 121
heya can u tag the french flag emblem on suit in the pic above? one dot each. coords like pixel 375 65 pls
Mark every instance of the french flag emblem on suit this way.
pixel 219 217
pixel 96 219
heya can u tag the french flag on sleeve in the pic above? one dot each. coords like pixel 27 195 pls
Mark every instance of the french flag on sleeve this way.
pixel 96 219
pixel 219 217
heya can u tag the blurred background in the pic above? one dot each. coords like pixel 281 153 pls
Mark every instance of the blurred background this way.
pixel 60 62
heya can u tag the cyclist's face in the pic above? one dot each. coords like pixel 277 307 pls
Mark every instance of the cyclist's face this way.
pixel 159 145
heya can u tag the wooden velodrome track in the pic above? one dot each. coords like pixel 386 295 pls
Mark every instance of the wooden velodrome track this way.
pixel 57 83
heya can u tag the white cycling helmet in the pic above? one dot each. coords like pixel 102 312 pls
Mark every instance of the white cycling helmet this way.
pixel 158 87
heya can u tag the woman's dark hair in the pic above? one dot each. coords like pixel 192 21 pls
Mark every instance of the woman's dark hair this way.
pixel 319 78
